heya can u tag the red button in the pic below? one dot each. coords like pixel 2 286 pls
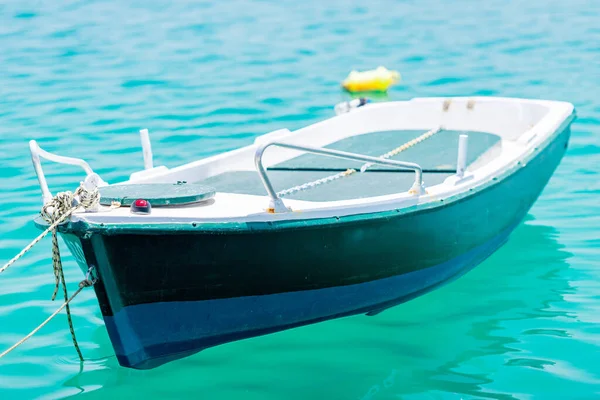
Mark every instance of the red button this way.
pixel 141 203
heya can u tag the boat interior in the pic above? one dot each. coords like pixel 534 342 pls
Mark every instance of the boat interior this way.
pixel 424 131
pixel 437 156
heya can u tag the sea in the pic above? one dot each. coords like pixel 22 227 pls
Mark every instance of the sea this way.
pixel 82 77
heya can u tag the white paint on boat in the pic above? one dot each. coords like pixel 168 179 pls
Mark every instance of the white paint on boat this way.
pixel 524 126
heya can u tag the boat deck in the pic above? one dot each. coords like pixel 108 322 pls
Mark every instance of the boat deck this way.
pixel 436 155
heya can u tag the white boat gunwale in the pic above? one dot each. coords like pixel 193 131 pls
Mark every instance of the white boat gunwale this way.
pixel 515 154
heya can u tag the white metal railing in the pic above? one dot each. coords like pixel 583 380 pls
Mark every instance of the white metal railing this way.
pixel 276 203
pixel 37 152
pixel 91 178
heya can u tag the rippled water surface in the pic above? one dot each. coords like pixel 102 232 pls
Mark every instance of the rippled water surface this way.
pixel 82 77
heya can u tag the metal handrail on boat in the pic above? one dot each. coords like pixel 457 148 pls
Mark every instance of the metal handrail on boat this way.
pixel 37 152
pixel 277 204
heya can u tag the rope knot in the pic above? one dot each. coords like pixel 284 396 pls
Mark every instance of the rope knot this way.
pixel 86 283
pixel 60 205
pixel 89 199
pixel 90 278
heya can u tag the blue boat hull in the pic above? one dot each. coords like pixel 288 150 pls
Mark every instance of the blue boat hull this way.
pixel 161 304
pixel 190 326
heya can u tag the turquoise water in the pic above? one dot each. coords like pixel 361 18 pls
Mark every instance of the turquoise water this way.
pixel 204 77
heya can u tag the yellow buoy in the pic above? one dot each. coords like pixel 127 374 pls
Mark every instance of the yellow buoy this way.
pixel 376 80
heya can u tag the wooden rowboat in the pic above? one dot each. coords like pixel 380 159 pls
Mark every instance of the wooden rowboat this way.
pixel 354 214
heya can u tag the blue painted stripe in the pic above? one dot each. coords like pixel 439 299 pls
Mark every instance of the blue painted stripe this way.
pixel 147 335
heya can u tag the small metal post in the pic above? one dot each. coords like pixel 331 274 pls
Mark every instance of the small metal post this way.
pixel 461 163
pixel 146 149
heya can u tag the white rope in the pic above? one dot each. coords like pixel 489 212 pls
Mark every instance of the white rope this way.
pixel 405 146
pixel 64 202
pixel 318 182
pixel 34 242
pixel 363 168
pixel 55 212
pixel 83 284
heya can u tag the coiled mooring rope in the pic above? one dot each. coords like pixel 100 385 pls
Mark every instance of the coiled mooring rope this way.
pixel 65 203
pixel 61 207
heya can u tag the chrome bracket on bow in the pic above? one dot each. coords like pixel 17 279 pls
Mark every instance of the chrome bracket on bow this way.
pixel 92 179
